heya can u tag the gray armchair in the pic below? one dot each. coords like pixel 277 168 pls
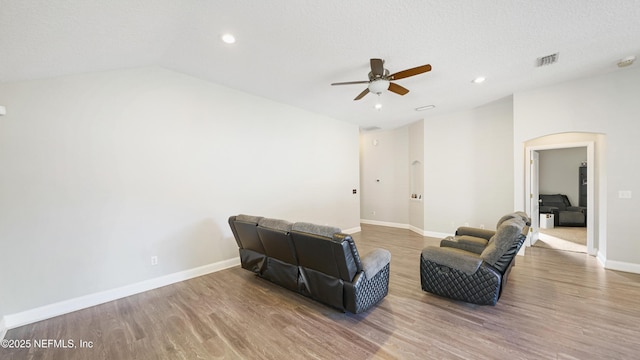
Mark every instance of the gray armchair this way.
pixel 474 265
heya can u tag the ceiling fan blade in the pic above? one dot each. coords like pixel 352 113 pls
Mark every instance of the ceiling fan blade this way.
pixel 377 67
pixel 410 72
pixel 362 94
pixel 351 82
pixel 400 90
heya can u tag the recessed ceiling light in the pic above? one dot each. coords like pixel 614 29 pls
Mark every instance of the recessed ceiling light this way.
pixel 478 80
pixel 228 38
pixel 426 107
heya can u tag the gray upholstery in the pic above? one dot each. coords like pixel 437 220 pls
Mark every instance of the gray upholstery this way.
pixel 375 261
pixel 473 244
pixel 458 259
pixel 275 224
pixel 502 240
pixel 314 260
pixel 321 230
pixel 474 276
pixel 564 213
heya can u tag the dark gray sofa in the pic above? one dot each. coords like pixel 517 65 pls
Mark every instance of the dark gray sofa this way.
pixel 474 265
pixel 313 260
pixel 563 213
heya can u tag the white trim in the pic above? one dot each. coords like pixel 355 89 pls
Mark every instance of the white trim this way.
pixel 406 226
pixel 437 234
pixel 416 230
pixel 64 307
pixel 385 223
pixel 601 259
pixel 622 266
pixel 354 230
pixel 590 145
pixel 3 328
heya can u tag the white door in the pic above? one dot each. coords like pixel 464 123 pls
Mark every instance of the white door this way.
pixel 534 211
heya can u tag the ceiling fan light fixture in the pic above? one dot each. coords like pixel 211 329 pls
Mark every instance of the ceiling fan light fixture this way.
pixel 378 106
pixel 378 86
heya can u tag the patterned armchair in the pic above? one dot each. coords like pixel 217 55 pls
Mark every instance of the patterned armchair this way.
pixel 474 265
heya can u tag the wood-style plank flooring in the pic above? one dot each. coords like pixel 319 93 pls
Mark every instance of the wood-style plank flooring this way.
pixel 557 305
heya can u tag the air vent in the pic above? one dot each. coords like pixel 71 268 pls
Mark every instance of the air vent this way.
pixel 369 128
pixel 547 60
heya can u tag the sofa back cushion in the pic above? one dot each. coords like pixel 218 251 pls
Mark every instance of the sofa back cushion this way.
pixel 245 230
pixel 325 249
pixel 506 235
pixel 276 239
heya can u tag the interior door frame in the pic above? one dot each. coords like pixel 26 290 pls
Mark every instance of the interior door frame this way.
pixel 590 145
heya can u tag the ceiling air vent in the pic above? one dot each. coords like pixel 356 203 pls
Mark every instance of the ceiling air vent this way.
pixel 547 60
pixel 369 128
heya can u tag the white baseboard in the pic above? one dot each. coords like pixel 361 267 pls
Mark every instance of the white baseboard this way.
pixel 406 226
pixel 621 266
pixel 437 234
pixel 3 328
pixel 64 307
pixel 354 230
pixel 384 223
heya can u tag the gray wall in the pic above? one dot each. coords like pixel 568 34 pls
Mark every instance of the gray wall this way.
pixel 469 167
pixel 467 159
pixel 100 171
pixel 384 175
pixel 558 171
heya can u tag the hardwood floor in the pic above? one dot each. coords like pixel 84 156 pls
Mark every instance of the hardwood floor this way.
pixel 557 305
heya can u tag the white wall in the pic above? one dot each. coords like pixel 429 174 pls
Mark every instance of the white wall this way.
pixel 98 172
pixel 558 172
pixel 384 176
pixel 608 105
pixel 416 161
pixel 469 167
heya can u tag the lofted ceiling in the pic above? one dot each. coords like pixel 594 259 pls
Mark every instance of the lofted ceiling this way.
pixel 291 51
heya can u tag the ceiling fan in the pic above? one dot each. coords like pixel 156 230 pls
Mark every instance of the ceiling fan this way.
pixel 380 80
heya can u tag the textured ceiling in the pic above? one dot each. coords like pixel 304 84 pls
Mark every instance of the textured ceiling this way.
pixel 290 51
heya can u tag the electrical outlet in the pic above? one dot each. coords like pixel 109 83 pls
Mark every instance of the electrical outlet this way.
pixel 373 213
pixel 481 226
pixel 624 194
pixel 154 260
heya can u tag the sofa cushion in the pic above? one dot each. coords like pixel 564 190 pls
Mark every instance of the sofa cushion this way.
pixel 275 224
pixel 321 230
pixel 505 236
pixel 248 218
pixel 375 261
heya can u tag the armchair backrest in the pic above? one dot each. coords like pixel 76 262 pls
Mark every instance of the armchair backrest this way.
pixel 506 242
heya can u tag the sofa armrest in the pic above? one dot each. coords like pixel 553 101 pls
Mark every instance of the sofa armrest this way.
pixel 375 261
pixel 581 209
pixel 465 242
pixel 481 233
pixel 458 259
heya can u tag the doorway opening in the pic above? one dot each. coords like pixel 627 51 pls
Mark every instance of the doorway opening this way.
pixel 543 219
